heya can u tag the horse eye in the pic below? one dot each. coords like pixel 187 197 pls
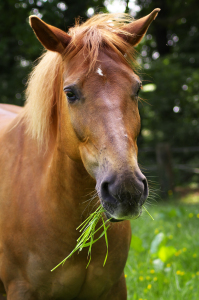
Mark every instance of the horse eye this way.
pixel 70 96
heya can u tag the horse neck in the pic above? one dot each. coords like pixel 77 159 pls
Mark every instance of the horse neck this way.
pixel 70 184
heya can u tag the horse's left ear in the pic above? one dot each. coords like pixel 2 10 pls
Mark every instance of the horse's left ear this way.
pixel 51 37
pixel 138 28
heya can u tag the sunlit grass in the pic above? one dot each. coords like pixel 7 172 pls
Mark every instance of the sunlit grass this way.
pixel 163 261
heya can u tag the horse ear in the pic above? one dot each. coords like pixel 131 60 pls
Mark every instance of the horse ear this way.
pixel 138 28
pixel 51 37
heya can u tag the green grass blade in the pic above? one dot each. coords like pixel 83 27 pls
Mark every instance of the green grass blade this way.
pixel 148 213
pixel 106 240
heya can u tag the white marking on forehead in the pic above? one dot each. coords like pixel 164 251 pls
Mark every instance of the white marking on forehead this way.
pixel 99 71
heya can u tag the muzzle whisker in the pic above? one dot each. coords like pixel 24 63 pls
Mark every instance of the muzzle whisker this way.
pixel 90 201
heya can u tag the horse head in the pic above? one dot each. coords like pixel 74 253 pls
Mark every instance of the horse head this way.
pixel 100 105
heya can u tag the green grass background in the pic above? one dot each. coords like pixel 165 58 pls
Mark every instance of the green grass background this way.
pixel 163 261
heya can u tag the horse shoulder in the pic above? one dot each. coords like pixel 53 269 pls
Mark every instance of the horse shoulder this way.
pixel 8 112
pixel 11 108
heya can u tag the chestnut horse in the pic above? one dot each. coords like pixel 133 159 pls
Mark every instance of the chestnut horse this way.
pixel 76 135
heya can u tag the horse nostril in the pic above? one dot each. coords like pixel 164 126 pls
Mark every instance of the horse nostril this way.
pixel 104 189
pixel 145 190
pixel 107 194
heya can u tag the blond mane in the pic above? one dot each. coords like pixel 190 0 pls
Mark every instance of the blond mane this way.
pixel 44 89
pixel 102 31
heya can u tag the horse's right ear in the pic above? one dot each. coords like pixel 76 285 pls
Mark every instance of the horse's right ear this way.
pixel 51 37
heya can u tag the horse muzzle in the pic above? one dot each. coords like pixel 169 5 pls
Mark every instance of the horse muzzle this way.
pixel 123 196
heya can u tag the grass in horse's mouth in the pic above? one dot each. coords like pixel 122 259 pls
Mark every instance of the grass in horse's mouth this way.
pixel 88 230
pixel 148 213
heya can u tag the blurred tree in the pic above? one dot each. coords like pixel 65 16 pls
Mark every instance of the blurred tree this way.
pixel 170 60
pixel 18 45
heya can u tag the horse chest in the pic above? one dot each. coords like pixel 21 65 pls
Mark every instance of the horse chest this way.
pixel 80 283
pixel 73 282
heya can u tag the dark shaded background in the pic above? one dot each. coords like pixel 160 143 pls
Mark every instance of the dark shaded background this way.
pixel 169 57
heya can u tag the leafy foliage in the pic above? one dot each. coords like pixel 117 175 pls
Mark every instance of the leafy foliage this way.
pixel 170 60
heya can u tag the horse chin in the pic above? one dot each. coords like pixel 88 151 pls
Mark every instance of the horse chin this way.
pixel 114 218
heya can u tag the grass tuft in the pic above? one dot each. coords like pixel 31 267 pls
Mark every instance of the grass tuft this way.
pixel 88 231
